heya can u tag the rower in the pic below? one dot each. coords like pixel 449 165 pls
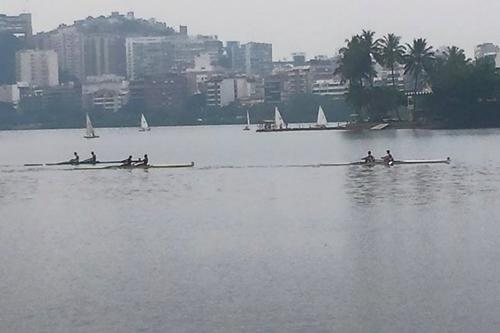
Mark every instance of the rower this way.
pixel 76 159
pixel 388 159
pixel 92 159
pixel 369 158
pixel 144 161
pixel 127 162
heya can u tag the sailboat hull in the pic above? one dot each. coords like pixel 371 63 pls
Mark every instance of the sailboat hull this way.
pixel 91 137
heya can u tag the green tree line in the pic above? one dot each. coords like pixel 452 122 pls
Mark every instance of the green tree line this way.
pixel 461 92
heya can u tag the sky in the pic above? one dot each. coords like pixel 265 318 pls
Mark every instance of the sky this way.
pixel 317 27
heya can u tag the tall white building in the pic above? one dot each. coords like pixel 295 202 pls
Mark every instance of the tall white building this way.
pixel 486 50
pixel 220 92
pixel 37 68
pixel 148 56
pixel 330 87
pixel 68 43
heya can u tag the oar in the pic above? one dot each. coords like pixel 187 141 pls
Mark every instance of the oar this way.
pixel 70 163
pixel 60 163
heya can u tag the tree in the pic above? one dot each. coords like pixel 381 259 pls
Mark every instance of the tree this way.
pixel 391 53
pixel 418 59
pixel 464 94
pixel 355 61
pixel 455 57
pixel 371 46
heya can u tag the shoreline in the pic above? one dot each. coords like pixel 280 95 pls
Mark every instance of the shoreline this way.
pixel 349 127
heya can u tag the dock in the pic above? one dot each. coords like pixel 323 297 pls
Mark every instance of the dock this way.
pixel 379 127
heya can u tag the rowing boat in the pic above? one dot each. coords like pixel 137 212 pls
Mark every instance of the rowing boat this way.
pixel 141 167
pixel 397 162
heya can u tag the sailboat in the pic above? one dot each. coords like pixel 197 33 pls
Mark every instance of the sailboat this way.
pixel 247 127
pixel 279 123
pixel 89 132
pixel 322 121
pixel 144 124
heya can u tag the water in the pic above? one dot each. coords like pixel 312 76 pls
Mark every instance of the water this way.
pixel 250 241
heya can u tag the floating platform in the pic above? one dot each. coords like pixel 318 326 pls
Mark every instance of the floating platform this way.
pixel 379 127
pixel 300 129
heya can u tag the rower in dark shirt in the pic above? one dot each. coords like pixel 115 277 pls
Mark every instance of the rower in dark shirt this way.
pixel 369 158
pixel 92 159
pixel 76 159
pixel 144 161
pixel 127 162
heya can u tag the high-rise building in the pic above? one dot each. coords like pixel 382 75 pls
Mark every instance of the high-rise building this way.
pixel 220 91
pixel 96 46
pixel 235 56
pixel 486 50
pixel 68 42
pixel 258 58
pixel 37 68
pixel 148 56
pixel 186 48
pixel 19 26
pixel 104 54
pixel 298 81
pixel 274 86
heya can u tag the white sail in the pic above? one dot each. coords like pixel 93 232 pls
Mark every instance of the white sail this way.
pixel 278 119
pixel 144 123
pixel 90 133
pixel 248 119
pixel 322 121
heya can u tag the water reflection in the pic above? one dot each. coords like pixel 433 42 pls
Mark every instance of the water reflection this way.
pixel 418 185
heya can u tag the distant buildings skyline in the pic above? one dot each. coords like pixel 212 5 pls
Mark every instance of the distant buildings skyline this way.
pixel 109 61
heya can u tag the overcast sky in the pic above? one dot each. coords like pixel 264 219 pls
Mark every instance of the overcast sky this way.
pixel 311 26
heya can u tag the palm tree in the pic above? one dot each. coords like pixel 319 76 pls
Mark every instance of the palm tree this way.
pixel 456 56
pixel 371 46
pixel 355 62
pixel 419 58
pixel 391 53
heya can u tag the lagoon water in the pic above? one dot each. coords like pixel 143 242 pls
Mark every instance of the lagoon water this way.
pixel 249 240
